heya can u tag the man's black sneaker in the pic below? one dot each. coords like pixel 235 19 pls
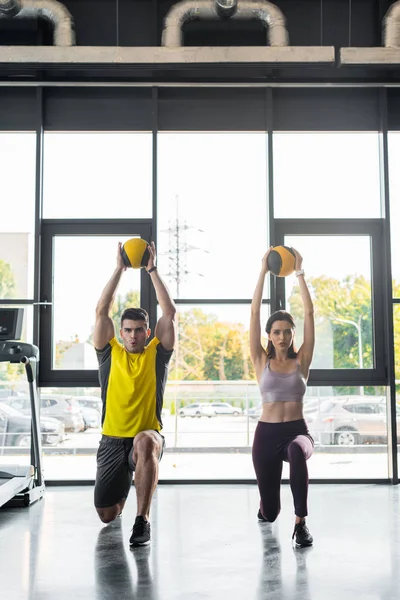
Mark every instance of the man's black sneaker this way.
pixel 261 517
pixel 302 536
pixel 140 532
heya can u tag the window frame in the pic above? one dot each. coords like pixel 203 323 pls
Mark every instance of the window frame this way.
pixel 47 376
pixel 378 375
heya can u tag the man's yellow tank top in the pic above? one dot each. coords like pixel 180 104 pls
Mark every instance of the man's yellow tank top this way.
pixel 132 387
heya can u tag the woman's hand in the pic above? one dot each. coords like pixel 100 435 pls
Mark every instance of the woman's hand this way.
pixel 265 268
pixel 298 260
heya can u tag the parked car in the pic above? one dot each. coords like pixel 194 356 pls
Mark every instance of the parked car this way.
pixel 15 428
pixel 198 409
pixel 254 412
pixel 90 402
pixel 347 421
pixel 224 408
pixel 61 407
pixel 91 417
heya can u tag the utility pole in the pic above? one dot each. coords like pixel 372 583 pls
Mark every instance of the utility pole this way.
pixel 178 249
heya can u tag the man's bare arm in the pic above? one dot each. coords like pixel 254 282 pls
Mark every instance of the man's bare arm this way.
pixel 165 328
pixel 104 327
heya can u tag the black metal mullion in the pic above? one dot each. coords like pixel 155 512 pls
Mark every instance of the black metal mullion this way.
pixel 270 198
pixel 38 214
pixel 216 301
pixel 46 312
pixel 387 291
pixel 147 288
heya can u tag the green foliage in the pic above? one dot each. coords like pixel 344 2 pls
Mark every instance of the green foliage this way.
pixel 131 300
pixel 209 349
pixel 7 281
pixel 172 407
pixel 337 301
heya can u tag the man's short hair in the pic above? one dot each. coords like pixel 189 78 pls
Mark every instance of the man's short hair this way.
pixel 135 314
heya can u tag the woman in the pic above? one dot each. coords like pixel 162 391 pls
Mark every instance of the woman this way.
pixel 281 433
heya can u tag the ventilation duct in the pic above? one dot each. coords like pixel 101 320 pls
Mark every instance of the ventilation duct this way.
pixel 391 27
pixel 49 10
pixel 190 10
pixel 109 60
pixel 386 56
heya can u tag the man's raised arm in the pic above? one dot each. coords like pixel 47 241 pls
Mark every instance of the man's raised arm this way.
pixel 104 327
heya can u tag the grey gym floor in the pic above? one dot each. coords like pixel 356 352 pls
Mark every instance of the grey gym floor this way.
pixel 206 543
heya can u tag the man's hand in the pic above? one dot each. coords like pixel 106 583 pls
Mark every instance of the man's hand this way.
pixel 152 260
pixel 120 263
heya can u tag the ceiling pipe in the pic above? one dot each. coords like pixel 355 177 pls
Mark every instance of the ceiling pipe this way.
pixel 189 10
pixel 391 27
pixel 50 10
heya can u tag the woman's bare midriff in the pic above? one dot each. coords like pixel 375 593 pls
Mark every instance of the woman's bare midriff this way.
pixel 281 412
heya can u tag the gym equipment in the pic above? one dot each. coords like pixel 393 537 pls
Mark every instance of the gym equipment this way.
pixel 11 323
pixel 135 253
pixel 281 261
pixel 19 484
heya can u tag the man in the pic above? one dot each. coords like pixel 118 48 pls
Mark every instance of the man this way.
pixel 132 378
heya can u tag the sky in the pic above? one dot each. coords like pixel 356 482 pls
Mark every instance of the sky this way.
pixel 215 186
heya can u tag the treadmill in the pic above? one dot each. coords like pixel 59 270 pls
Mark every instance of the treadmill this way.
pixel 21 485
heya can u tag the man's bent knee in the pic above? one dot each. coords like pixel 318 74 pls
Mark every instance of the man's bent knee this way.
pixel 146 445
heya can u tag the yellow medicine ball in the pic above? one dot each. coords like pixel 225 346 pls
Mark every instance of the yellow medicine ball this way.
pixel 281 261
pixel 135 253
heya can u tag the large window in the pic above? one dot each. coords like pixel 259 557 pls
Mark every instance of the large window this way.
pixel 97 175
pixel 326 175
pixel 17 222
pixel 212 212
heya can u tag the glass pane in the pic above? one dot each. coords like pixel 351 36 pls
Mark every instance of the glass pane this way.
pixel 211 375
pixel 349 427
pixel 17 223
pixel 213 343
pixel 348 444
pixel 82 266
pixel 212 212
pixel 97 175
pixel 338 271
pixel 304 163
pixel 394 188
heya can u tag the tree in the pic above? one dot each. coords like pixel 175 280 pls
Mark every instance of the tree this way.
pixel 343 310
pixel 209 349
pixel 130 300
pixel 7 280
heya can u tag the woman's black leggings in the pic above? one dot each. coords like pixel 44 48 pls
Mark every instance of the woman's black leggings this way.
pixel 273 444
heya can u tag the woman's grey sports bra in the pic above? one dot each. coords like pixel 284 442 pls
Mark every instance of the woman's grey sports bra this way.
pixel 282 387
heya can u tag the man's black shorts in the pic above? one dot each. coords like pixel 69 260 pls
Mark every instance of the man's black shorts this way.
pixel 115 469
